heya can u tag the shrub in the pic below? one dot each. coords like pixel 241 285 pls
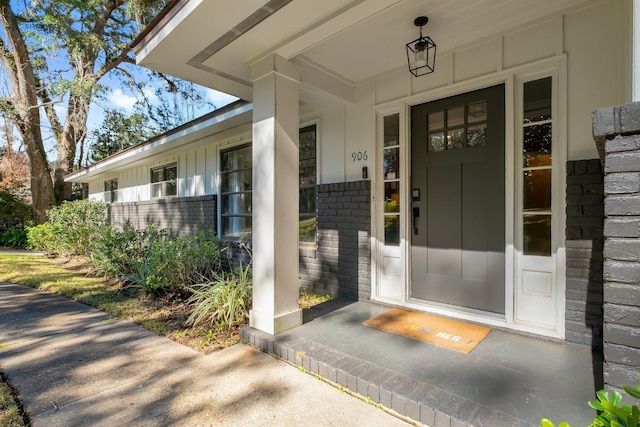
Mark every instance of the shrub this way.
pixel 42 238
pixel 611 411
pixel 14 213
pixel 223 302
pixel 115 252
pixel 14 238
pixel 171 264
pixel 71 229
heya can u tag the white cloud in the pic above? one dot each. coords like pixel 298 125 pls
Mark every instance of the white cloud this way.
pixel 220 99
pixel 122 100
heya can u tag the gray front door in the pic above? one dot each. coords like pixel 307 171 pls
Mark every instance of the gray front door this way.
pixel 458 200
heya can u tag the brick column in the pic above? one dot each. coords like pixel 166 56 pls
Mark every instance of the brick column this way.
pixel 617 134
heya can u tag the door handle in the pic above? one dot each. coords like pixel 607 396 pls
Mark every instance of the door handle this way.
pixel 416 214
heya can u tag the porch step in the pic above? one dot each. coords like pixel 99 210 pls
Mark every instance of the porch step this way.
pixel 411 398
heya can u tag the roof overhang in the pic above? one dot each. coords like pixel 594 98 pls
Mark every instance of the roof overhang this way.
pixel 338 44
pixel 220 121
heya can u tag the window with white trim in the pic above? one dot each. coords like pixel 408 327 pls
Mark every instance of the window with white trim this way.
pixel 236 188
pixel 111 190
pixel 308 190
pixel 164 181
pixel 235 191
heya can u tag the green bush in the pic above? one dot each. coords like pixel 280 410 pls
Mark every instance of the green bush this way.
pixel 171 264
pixel 14 213
pixel 223 302
pixel 72 228
pixel 42 238
pixel 115 252
pixel 14 238
pixel 611 411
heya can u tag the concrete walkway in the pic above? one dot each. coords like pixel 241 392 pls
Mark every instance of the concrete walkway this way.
pixel 75 366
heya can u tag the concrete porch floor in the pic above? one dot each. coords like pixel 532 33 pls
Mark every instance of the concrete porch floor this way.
pixel 507 380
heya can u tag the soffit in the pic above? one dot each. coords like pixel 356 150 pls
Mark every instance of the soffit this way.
pixel 350 41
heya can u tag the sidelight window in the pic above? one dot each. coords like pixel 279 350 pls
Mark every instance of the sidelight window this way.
pixel 536 167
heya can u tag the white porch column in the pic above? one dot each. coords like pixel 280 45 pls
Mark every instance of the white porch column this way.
pixel 275 195
pixel 635 57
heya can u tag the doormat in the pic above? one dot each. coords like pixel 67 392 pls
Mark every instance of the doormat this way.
pixel 447 333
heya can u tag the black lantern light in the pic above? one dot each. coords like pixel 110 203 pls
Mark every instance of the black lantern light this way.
pixel 421 53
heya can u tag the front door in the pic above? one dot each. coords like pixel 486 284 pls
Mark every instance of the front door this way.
pixel 458 201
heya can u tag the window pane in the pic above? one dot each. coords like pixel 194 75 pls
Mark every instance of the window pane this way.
pixel 391 163
pixel 236 181
pixel 477 112
pixel 308 143
pixel 455 139
pixel 392 230
pixel 237 158
pixel 172 188
pixel 436 142
pixel 307 229
pixel 308 172
pixel 156 190
pixel 477 136
pixel 236 203
pixel 392 196
pixel 537 189
pixel 537 145
pixel 436 121
pixel 308 200
pixel 236 226
pixel 171 173
pixel 455 117
pixel 537 235
pixel 537 100
pixel 391 126
pixel 156 175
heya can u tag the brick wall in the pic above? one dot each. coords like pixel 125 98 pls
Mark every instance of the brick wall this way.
pixel 584 244
pixel 185 215
pixel 341 264
pixel 617 134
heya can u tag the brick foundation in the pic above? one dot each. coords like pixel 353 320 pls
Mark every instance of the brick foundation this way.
pixel 185 215
pixel 584 244
pixel 617 134
pixel 341 263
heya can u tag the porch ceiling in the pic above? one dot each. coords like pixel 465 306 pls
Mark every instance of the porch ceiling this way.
pixel 338 43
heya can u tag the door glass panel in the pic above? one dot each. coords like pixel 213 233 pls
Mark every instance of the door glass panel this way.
pixel 477 112
pixel 391 129
pixel 537 167
pixel 436 142
pixel 391 163
pixel 537 145
pixel 455 139
pixel 391 197
pixel 455 117
pixel 537 189
pixel 436 121
pixel 392 230
pixel 537 100
pixel 477 136
pixel 537 235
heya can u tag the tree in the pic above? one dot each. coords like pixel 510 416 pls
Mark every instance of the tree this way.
pixel 118 132
pixel 55 51
pixel 14 167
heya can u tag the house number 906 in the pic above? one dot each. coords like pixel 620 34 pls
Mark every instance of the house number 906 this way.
pixel 359 155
